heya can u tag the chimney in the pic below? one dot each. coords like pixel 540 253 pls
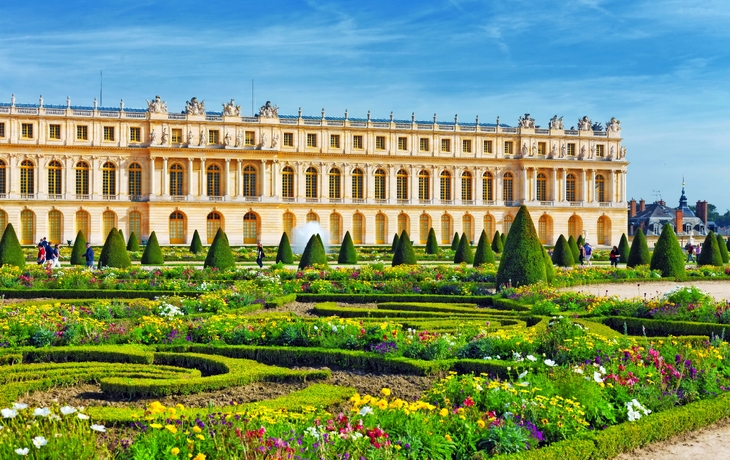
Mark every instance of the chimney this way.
pixel 678 223
pixel 702 211
pixel 642 205
pixel 632 208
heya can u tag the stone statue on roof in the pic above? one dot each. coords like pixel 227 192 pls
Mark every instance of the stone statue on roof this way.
pixel 584 124
pixel 614 125
pixel 231 109
pixel 556 123
pixel 269 111
pixel 157 106
pixel 193 107
pixel 526 122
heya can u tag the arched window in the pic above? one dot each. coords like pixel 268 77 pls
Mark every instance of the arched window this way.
pixel 603 231
pixel 311 182
pixel 54 178
pixel 404 224
pixel 507 183
pixel 402 184
pixel 312 217
pixel 3 177
pixel 249 181
pixel 214 180
pixel 287 182
pixel 55 220
pixel 544 229
pixel 466 187
pixel 541 187
pixel 357 184
pixel 288 223
pixel 3 220
pixel 213 223
pixel 467 226
pixel 135 224
pixel 108 222
pixel 108 179
pixel 335 226
pixel 379 184
pixel 135 181
pixel 358 228
pixel 335 184
pixel 575 226
pixel 445 186
pixel 424 227
pixel 507 223
pixel 424 185
pixel 177 228
pixel 82 179
pixel 27 227
pixel 83 224
pixel 487 187
pixel 600 189
pixel 27 180
pixel 380 228
pixel 489 226
pixel 250 228
pixel 446 229
pixel 176 179
pixel 570 187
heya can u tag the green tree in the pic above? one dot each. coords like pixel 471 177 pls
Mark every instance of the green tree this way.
pixel 668 256
pixel 484 254
pixel 114 253
pixel 284 254
pixel 122 235
pixel 723 248
pixel 79 250
pixel 580 241
pixel 562 254
pixel 220 255
pixel 522 261
pixel 404 253
pixel 396 240
pixel 503 237
pixel 639 253
pixel 314 253
pixel 710 254
pixel 11 253
pixel 623 249
pixel 348 255
pixel 133 243
pixel 152 254
pixel 463 252
pixel 432 244
pixel 196 246
pixel 455 242
pixel 497 245
pixel 573 249
pixel 549 269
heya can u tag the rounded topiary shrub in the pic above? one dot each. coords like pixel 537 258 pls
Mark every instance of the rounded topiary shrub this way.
pixel 710 254
pixel 196 246
pixel 348 255
pixel 78 252
pixel 574 249
pixel 133 242
pixel 394 246
pixel 497 245
pixel 668 256
pixel 483 254
pixel 220 255
pixel 404 253
pixel 432 244
pixel 549 269
pixel 152 254
pixel 623 249
pixel 455 242
pixel 11 253
pixel 562 255
pixel 522 260
pixel 723 248
pixel 314 253
pixel 463 252
pixel 639 253
pixel 114 253
pixel 284 254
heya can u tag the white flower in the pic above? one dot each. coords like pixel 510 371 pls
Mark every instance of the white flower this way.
pixel 550 362
pixel 531 358
pixel 83 416
pixel 54 417
pixel 312 431
pixel 597 377
pixel 22 451
pixel 9 413
pixel 39 441
pixel 522 375
pixel 42 412
pixel 316 328
pixel 99 428
pixel 602 369
pixel 366 410
pixel 577 370
pixel 68 410
pixel 19 406
pixel 334 329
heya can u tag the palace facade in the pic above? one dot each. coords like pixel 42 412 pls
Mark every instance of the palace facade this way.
pixel 68 168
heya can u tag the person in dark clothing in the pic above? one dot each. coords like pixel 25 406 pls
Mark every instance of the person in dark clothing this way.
pixel 614 256
pixel 581 254
pixel 89 256
pixel 41 258
pixel 260 256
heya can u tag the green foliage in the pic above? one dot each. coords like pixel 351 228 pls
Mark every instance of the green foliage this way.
pixel 114 253
pixel 394 246
pixel 562 254
pixel 314 253
pixel 710 254
pixel 463 252
pixel 497 244
pixel 284 254
pixel 79 249
pixel 574 249
pixel 522 261
pixel 404 253
pixel 432 244
pixel 580 241
pixel 723 249
pixel 668 256
pixel 549 269
pixel 639 253
pixel 623 249
pixel 220 255
pixel 121 233
pixel 152 253
pixel 484 254
pixel 455 242
pixel 728 244
pixel 503 238
pixel 196 246
pixel 133 242
pixel 348 255
pixel 11 253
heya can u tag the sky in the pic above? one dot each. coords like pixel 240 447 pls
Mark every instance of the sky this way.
pixel 662 67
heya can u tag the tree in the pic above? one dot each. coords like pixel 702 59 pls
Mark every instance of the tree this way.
pixel 196 246
pixel 347 251
pixel 220 255
pixel 723 248
pixel 152 254
pixel 11 253
pixel 314 253
pixel 404 253
pixel 122 235
pixel 574 249
pixel 432 244
pixel 623 249
pixel 668 256
pixel 549 269
pixel 114 253
pixel 562 254
pixel 503 238
pixel 497 245
pixel 79 250
pixel 639 253
pixel 522 261
pixel 133 243
pixel 484 254
pixel 396 240
pixel 284 254
pixel 463 252
pixel 580 241
pixel 710 254
pixel 455 242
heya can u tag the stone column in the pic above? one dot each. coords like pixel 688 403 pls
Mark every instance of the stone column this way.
pixel 239 178
pixel 497 185
pixel 123 184
pixel 392 193
pixel 203 179
pixel 41 185
pixel 524 197
pixel 152 176
pixel 564 187
pixel 274 176
pixel 301 182
pixel 583 186
pixel 457 185
pixel 95 178
pixel 413 192
pixel 68 187
pixel 265 187
pixel 228 178
pixel 165 179
pixel 190 179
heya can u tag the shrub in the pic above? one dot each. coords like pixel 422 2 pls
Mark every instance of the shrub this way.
pixel 463 252
pixel 347 251
pixel 404 253
pixel 284 254
pixel 79 249
pixel 623 249
pixel 639 253
pixel 114 253
pixel 314 253
pixel 11 253
pixel 723 249
pixel 522 261
pixel 133 243
pixel 668 256
pixel 394 246
pixel 710 254
pixel 432 244
pixel 196 246
pixel 484 254
pixel 220 255
pixel 455 242
pixel 728 244
pixel 152 253
pixel 122 235
pixel 503 239
pixel 562 254
pixel 549 269
pixel 580 241
pixel 497 245
pixel 574 249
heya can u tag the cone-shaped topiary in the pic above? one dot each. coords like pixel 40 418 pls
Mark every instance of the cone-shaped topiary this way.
pixel 347 251
pixel 463 252
pixel 11 253
pixel 152 254
pixel 133 242
pixel 562 255
pixel 549 269
pixel 484 254
pixel 404 253
pixel 723 248
pixel 314 253
pixel 122 235
pixel 728 244
pixel 114 253
pixel 710 254
pixel 79 250
pixel 220 255
pixel 196 246
pixel 573 249
pixel 284 254
pixel 623 249
pixel 455 242
pixel 394 246
pixel 503 237
pixel 522 261
pixel 497 245
pixel 432 244
pixel 580 241
pixel 668 256
pixel 639 253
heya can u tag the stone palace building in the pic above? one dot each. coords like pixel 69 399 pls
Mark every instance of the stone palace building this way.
pixel 65 168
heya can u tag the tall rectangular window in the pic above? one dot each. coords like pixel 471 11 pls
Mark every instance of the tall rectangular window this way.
pixel 2 129
pixel 423 144
pixel 508 147
pixel 600 149
pixel 445 145
pixel 214 136
pixel 466 145
pixel 541 148
pixel 311 140
pixel 250 138
pixel 135 134
pixel 108 133
pixel 288 139
pixel 177 136
pixel 335 141
pixel 26 131
pixel 571 150
pixel 402 143
pixel 54 132
pixel 357 142
pixel 488 147
pixel 379 142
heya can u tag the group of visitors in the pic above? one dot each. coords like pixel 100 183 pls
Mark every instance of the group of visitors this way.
pixel 584 253
pixel 48 254
pixel 692 251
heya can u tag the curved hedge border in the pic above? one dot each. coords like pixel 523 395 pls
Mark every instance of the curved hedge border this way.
pixel 91 293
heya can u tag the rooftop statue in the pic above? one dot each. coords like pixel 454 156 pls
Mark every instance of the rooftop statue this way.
pixel 157 106
pixel 526 122
pixel 231 109
pixel 614 125
pixel 584 124
pixel 193 107
pixel 556 123
pixel 269 111
pixel 597 127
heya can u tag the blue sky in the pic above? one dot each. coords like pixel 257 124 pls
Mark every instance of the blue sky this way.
pixel 660 66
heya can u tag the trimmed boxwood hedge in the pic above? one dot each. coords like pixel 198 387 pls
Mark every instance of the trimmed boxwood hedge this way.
pixel 91 293
pixel 11 253
pixel 522 262
pixel 284 253
pixel 152 254
pixel 663 328
pixel 668 256
pixel 639 252
pixel 432 244
pixel 562 254
pixel 78 253
pixel 196 246
pixel 347 255
pixel 484 254
pixel 370 298
pixel 219 254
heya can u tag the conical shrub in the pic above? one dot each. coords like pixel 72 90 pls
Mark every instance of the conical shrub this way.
pixel 728 244
pixel 463 252
pixel 122 235
pixel 152 254
pixel 723 248
pixel 710 254
pixel 623 249
pixel 562 255
pixel 11 253
pixel 220 255
pixel 196 246
pixel 522 261
pixel 574 249
pixel 432 244
pixel 580 241
pixel 394 246
pixel 639 253
pixel 114 253
pixel 404 253
pixel 455 242
pixel 668 256
pixel 78 252
pixel 284 254
pixel 483 254
pixel 348 255
pixel 497 245
pixel 133 243
pixel 314 253
pixel 549 269
pixel 503 237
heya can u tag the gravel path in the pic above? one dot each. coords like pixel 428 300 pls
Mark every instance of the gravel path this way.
pixel 718 289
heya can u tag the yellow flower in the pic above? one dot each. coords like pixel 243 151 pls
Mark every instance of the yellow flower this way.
pixel 448 438
pixel 443 412
pixel 171 428
pixel 199 457
pixel 174 451
pixel 481 424
pixel 156 426
pixel 197 429
pixel 385 391
pixel 200 436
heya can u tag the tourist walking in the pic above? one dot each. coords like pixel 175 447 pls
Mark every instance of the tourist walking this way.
pixel 581 254
pixel 588 253
pixel 41 257
pixel 50 257
pixel 260 256
pixel 614 256
pixel 89 256
pixel 56 257
pixel 690 252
